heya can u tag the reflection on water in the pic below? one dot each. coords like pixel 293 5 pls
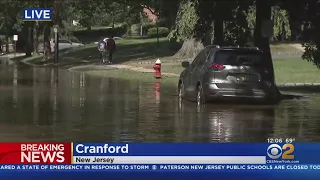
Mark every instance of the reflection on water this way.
pixel 40 104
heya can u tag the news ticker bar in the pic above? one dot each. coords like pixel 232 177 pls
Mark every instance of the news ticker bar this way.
pixel 169 160
pixel 165 167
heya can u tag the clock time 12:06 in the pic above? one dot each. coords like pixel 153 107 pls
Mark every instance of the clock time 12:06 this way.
pixel 274 140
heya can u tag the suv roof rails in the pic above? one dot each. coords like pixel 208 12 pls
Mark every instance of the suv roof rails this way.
pixel 213 45
pixel 256 48
pixel 251 46
pixel 236 46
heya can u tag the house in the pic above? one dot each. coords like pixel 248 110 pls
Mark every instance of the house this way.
pixel 75 23
pixel 150 13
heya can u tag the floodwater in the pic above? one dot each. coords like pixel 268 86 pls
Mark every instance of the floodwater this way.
pixel 43 104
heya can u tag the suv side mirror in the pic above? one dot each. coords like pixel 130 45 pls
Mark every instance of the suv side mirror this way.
pixel 185 64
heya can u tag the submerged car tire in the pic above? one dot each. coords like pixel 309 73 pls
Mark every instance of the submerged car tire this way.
pixel 181 91
pixel 200 99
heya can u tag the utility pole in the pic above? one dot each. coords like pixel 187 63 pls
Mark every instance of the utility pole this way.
pixel 15 39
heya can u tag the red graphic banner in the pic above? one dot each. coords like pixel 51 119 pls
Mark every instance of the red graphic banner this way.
pixel 35 153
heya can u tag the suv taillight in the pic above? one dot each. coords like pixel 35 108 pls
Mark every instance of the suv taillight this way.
pixel 217 67
pixel 265 70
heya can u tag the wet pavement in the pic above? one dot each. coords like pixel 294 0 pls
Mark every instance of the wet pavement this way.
pixel 42 104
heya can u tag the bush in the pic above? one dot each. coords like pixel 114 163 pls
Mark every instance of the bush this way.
pixel 146 27
pixel 162 31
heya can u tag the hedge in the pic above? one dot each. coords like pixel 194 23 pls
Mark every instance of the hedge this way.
pixel 162 31
pixel 97 33
pixel 146 27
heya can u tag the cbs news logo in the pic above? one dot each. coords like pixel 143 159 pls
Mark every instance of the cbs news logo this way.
pixel 275 151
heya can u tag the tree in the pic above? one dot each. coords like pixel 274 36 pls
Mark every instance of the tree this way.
pixel 84 12
pixel 203 26
pixel 168 11
pixel 186 21
pixel 120 12
pixel 10 20
pixel 46 33
pixel 312 43
pixel 263 13
pixel 237 29
pixel 281 23
pixel 221 13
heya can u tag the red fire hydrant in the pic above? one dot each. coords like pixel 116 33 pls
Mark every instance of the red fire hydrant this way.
pixel 157 68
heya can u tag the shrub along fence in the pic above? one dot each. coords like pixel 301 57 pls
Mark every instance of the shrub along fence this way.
pixel 162 32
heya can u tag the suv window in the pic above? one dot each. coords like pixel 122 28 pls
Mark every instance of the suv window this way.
pixel 207 55
pixel 239 57
pixel 198 59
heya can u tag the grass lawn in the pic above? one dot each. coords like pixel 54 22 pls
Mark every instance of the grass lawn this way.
pixel 132 50
pixel 295 71
pixel 289 70
pixel 127 50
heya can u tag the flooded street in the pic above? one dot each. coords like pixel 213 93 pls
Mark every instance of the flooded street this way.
pixel 43 104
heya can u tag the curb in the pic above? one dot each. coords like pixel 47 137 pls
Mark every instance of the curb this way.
pixel 294 86
pixel 163 62
pixel 298 84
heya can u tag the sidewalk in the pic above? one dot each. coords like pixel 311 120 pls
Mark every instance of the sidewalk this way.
pixel 120 66
pixel 11 55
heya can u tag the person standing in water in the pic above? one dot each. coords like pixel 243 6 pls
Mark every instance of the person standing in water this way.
pixel 111 47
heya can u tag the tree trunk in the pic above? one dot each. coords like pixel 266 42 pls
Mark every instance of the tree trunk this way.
pixel 46 35
pixel 204 23
pixel 29 40
pixel 218 25
pixel 7 44
pixel 129 32
pixel 218 31
pixel 58 19
pixel 263 13
pixel 170 11
pixel 283 33
pixel 36 37
pixel 113 20
pixel 46 42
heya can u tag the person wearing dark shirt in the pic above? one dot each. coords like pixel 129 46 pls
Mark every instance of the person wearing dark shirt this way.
pixel 111 47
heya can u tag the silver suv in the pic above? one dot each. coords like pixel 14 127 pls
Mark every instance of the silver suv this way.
pixel 220 73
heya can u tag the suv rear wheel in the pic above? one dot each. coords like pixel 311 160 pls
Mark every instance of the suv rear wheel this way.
pixel 180 91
